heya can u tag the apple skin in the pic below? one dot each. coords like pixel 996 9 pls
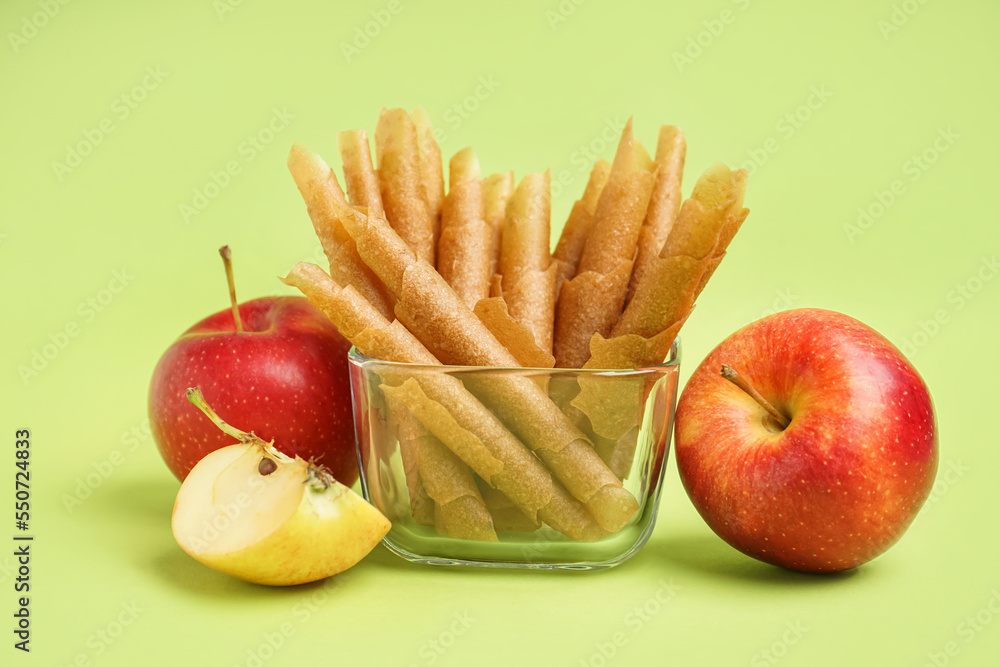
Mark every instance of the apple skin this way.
pixel 845 479
pixel 285 377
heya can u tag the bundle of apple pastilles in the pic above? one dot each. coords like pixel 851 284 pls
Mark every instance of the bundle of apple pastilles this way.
pixel 466 277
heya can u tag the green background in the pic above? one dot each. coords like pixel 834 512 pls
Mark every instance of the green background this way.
pixel 888 90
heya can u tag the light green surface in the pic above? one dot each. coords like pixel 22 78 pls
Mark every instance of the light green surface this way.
pixel 554 89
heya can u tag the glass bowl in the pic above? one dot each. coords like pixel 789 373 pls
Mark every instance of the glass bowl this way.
pixel 514 467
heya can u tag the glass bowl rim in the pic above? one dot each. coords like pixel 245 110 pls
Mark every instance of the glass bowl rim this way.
pixel 673 360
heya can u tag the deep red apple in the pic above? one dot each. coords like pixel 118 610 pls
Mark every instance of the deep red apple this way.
pixel 284 376
pixel 844 479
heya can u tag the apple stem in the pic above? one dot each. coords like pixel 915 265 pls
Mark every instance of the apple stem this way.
pixel 198 399
pixel 227 261
pixel 730 374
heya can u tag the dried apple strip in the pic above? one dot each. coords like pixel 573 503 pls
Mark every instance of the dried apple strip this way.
pixel 662 302
pixel 505 514
pixel 497 190
pixel 428 306
pixel 579 223
pixel 408 435
pixel 664 202
pixel 401 174
pixel 668 291
pixel 528 274
pixel 431 310
pixel 618 218
pixel 457 499
pixel 466 427
pixel 359 174
pixel 447 409
pixel 513 335
pixel 525 243
pixel 320 190
pixel 734 220
pixel 526 409
pixel 431 170
pixel 465 243
pixel 582 301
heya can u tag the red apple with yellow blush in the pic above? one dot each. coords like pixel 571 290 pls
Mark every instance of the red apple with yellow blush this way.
pixel 818 450
pixel 276 366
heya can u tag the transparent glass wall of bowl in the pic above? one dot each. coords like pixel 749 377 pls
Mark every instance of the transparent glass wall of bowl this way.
pixel 624 416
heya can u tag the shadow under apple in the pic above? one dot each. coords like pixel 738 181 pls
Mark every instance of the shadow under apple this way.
pixel 710 555
pixel 138 513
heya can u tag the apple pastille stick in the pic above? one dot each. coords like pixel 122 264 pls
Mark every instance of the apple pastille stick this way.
pixel 614 422
pixel 458 503
pixel 431 310
pixel 662 302
pixel 359 174
pixel 513 335
pixel 528 274
pixel 464 246
pixel 408 434
pixel 592 301
pixel 447 409
pixel 319 188
pixel 579 223
pixel 448 484
pixel 497 189
pixel 664 202
pixel 431 169
pixel 453 415
pixel 668 293
pixel 363 190
pixel 401 171
pixel 506 515
pixel 734 220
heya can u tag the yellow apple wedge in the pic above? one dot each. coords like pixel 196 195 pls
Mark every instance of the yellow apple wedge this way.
pixel 254 513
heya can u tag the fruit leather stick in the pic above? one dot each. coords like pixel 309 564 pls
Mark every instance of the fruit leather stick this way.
pixel 528 274
pixel 431 170
pixel 447 409
pixel 319 188
pixel 497 189
pixel 579 223
pixel 662 302
pixel 617 454
pixel 514 336
pixel 431 310
pixel 664 202
pixel 734 220
pixel 506 515
pixel 464 246
pixel 519 340
pixel 401 175
pixel 667 293
pixel 408 433
pixel 592 301
pixel 359 174
pixel 459 505
pixel 459 420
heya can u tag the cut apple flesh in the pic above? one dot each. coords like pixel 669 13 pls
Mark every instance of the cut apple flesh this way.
pixel 232 505
pixel 279 522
